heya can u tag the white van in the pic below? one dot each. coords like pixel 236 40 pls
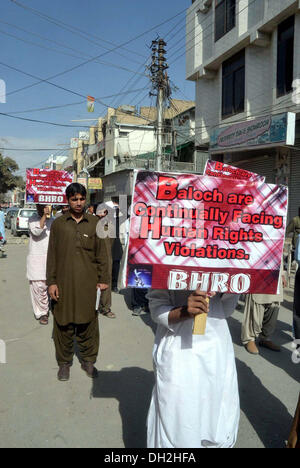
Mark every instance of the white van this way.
pixel 19 223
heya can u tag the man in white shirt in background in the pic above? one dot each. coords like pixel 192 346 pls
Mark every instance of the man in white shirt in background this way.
pixel 39 231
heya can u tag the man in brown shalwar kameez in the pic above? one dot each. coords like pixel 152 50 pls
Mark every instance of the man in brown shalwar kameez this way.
pixel 77 265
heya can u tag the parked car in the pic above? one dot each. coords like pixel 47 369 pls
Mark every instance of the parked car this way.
pixel 19 222
pixel 10 213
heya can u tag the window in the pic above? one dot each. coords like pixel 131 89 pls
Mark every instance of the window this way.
pixel 225 17
pixel 233 85
pixel 285 56
pixel 27 213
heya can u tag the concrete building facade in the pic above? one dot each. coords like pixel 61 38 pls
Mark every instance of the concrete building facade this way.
pixel 243 56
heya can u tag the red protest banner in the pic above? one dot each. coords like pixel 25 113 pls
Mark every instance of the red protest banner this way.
pixel 219 235
pixel 46 186
pixel 219 169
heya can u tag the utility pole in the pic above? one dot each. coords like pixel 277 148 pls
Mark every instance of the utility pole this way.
pixel 160 89
pixel 173 156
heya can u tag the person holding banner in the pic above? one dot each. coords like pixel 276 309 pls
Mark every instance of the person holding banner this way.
pixel 77 266
pixel 39 231
pixel 195 401
pixel 260 319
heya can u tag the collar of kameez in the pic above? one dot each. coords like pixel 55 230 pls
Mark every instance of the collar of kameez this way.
pixel 68 216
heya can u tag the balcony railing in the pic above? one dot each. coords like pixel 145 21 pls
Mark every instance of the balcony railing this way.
pixel 150 164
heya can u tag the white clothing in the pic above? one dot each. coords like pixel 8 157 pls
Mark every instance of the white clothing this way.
pixel 195 401
pixel 39 298
pixel 38 248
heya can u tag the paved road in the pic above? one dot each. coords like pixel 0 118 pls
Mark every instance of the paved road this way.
pixel 38 411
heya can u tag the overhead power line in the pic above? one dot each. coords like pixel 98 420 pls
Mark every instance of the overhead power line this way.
pixel 40 109
pixel 68 54
pixel 44 122
pixel 75 30
pixel 33 149
pixel 69 70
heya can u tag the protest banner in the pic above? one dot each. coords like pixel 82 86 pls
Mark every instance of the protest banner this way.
pixel 225 171
pixel 46 186
pixel 220 235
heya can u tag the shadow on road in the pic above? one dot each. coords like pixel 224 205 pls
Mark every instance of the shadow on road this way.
pixel 266 413
pixel 132 387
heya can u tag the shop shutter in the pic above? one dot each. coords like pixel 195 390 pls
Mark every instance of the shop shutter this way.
pixel 294 185
pixel 264 166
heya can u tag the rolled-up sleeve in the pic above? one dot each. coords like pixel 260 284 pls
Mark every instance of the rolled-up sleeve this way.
pixel 35 228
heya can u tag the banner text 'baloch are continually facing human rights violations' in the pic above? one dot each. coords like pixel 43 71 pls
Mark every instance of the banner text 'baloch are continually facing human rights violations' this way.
pixel 219 235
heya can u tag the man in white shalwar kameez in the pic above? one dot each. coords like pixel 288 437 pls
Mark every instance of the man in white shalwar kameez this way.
pixel 195 401
pixel 39 230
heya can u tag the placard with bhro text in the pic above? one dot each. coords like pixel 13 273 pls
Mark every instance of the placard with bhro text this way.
pixel 220 235
pixel 47 186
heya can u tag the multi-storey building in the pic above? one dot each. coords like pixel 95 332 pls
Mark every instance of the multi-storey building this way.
pixel 125 139
pixel 243 56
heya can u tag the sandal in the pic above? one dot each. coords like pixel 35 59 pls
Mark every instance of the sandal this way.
pixel 108 314
pixel 44 320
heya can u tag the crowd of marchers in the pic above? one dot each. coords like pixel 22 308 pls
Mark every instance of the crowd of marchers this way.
pixel 72 273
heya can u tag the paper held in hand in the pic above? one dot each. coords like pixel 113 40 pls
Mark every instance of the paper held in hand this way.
pixel 200 323
pixel 98 299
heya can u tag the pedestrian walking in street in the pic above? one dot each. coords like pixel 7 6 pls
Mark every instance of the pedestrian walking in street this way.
pixel 2 225
pixel 260 318
pixel 195 401
pixel 77 265
pixel 39 231
pixel 106 299
pixel 139 301
pixel 63 209
pixel 138 296
pixel 117 249
pixel 294 228
pixel 91 210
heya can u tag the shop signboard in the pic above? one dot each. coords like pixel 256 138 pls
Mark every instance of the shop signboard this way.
pixel 271 130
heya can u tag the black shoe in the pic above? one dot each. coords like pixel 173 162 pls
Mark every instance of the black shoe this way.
pixel 137 311
pixel 89 369
pixel 63 373
pixel 115 289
